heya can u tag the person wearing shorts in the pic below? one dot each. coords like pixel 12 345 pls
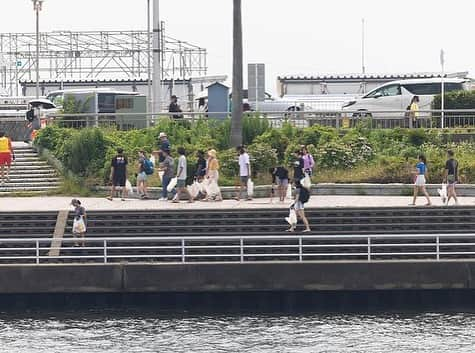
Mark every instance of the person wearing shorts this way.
pixel 451 176
pixel 280 177
pixel 301 198
pixel 6 157
pixel 420 181
pixel 244 172
pixel 118 175
pixel 181 174
pixel 142 177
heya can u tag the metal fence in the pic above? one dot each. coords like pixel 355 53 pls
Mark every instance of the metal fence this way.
pixel 244 249
pixel 338 119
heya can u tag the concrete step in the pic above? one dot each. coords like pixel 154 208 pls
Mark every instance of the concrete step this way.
pixel 33 174
pixel 33 181
pixel 35 162
pixel 16 167
pixel 21 188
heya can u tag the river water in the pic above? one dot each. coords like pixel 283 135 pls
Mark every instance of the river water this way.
pixel 116 331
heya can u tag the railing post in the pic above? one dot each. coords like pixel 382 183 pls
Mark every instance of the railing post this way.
pixel 37 252
pixel 300 249
pixel 183 251
pixel 241 247
pixel 105 251
pixel 437 246
pixel 369 248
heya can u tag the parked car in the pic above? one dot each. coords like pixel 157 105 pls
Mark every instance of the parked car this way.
pixel 392 98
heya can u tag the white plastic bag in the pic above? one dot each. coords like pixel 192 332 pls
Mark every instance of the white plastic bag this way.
pixel 152 159
pixel 289 192
pixel 306 182
pixel 250 188
pixel 202 186
pixel 194 189
pixel 292 218
pixel 129 188
pixel 443 192
pixel 172 184
pixel 212 189
pixel 79 226
pixel 160 175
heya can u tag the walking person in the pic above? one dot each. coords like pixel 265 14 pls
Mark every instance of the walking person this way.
pixel 414 112
pixel 181 175
pixel 244 172
pixel 420 181
pixel 302 196
pixel 451 176
pixel 308 161
pixel 167 167
pixel 280 178
pixel 145 168
pixel 79 223
pixel 118 176
pixel 212 175
pixel 6 157
pixel 200 172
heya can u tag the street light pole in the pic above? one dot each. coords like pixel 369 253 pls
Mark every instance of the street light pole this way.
pixel 37 4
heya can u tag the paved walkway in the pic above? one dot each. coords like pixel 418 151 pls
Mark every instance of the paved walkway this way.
pixel 94 203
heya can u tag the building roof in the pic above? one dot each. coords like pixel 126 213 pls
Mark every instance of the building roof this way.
pixel 367 77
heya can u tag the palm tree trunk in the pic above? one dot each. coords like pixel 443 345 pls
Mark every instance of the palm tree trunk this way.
pixel 237 94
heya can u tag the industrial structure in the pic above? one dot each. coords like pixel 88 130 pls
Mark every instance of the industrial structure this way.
pixel 94 56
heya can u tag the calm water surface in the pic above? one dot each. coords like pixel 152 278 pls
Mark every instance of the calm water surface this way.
pixel 128 331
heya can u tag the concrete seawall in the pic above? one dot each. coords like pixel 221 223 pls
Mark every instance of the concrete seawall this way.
pixel 267 277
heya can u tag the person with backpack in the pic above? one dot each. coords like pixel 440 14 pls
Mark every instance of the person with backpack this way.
pixel 146 168
pixel 6 157
pixel 302 196
pixel 181 175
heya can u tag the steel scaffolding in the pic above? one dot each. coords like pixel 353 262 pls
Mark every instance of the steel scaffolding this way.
pixel 69 55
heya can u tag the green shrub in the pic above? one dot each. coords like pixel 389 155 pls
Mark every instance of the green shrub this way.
pixel 84 153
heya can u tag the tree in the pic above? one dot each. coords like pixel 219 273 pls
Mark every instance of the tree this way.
pixel 237 94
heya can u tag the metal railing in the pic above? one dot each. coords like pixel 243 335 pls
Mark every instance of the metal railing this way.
pixel 244 249
pixel 336 118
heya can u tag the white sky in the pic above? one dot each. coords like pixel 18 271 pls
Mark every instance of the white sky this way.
pixel 290 37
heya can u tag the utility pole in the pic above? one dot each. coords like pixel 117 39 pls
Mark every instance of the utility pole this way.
pixel 37 5
pixel 237 94
pixel 157 80
pixel 442 88
pixel 149 65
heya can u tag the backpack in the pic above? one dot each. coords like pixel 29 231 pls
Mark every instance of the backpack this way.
pixel 148 167
pixel 304 195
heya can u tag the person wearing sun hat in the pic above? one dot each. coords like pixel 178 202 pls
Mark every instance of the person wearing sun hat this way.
pixel 212 175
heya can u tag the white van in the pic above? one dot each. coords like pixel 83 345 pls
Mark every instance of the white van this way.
pixel 392 98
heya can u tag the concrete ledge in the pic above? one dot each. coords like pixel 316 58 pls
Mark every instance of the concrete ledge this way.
pixel 206 277
pixel 332 189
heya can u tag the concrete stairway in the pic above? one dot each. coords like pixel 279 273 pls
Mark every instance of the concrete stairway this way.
pixel 28 173
pixel 343 222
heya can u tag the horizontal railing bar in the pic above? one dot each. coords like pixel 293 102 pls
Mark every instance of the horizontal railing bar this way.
pixel 246 237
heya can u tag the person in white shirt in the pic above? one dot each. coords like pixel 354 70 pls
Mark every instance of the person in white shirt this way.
pixel 244 172
pixel 181 174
